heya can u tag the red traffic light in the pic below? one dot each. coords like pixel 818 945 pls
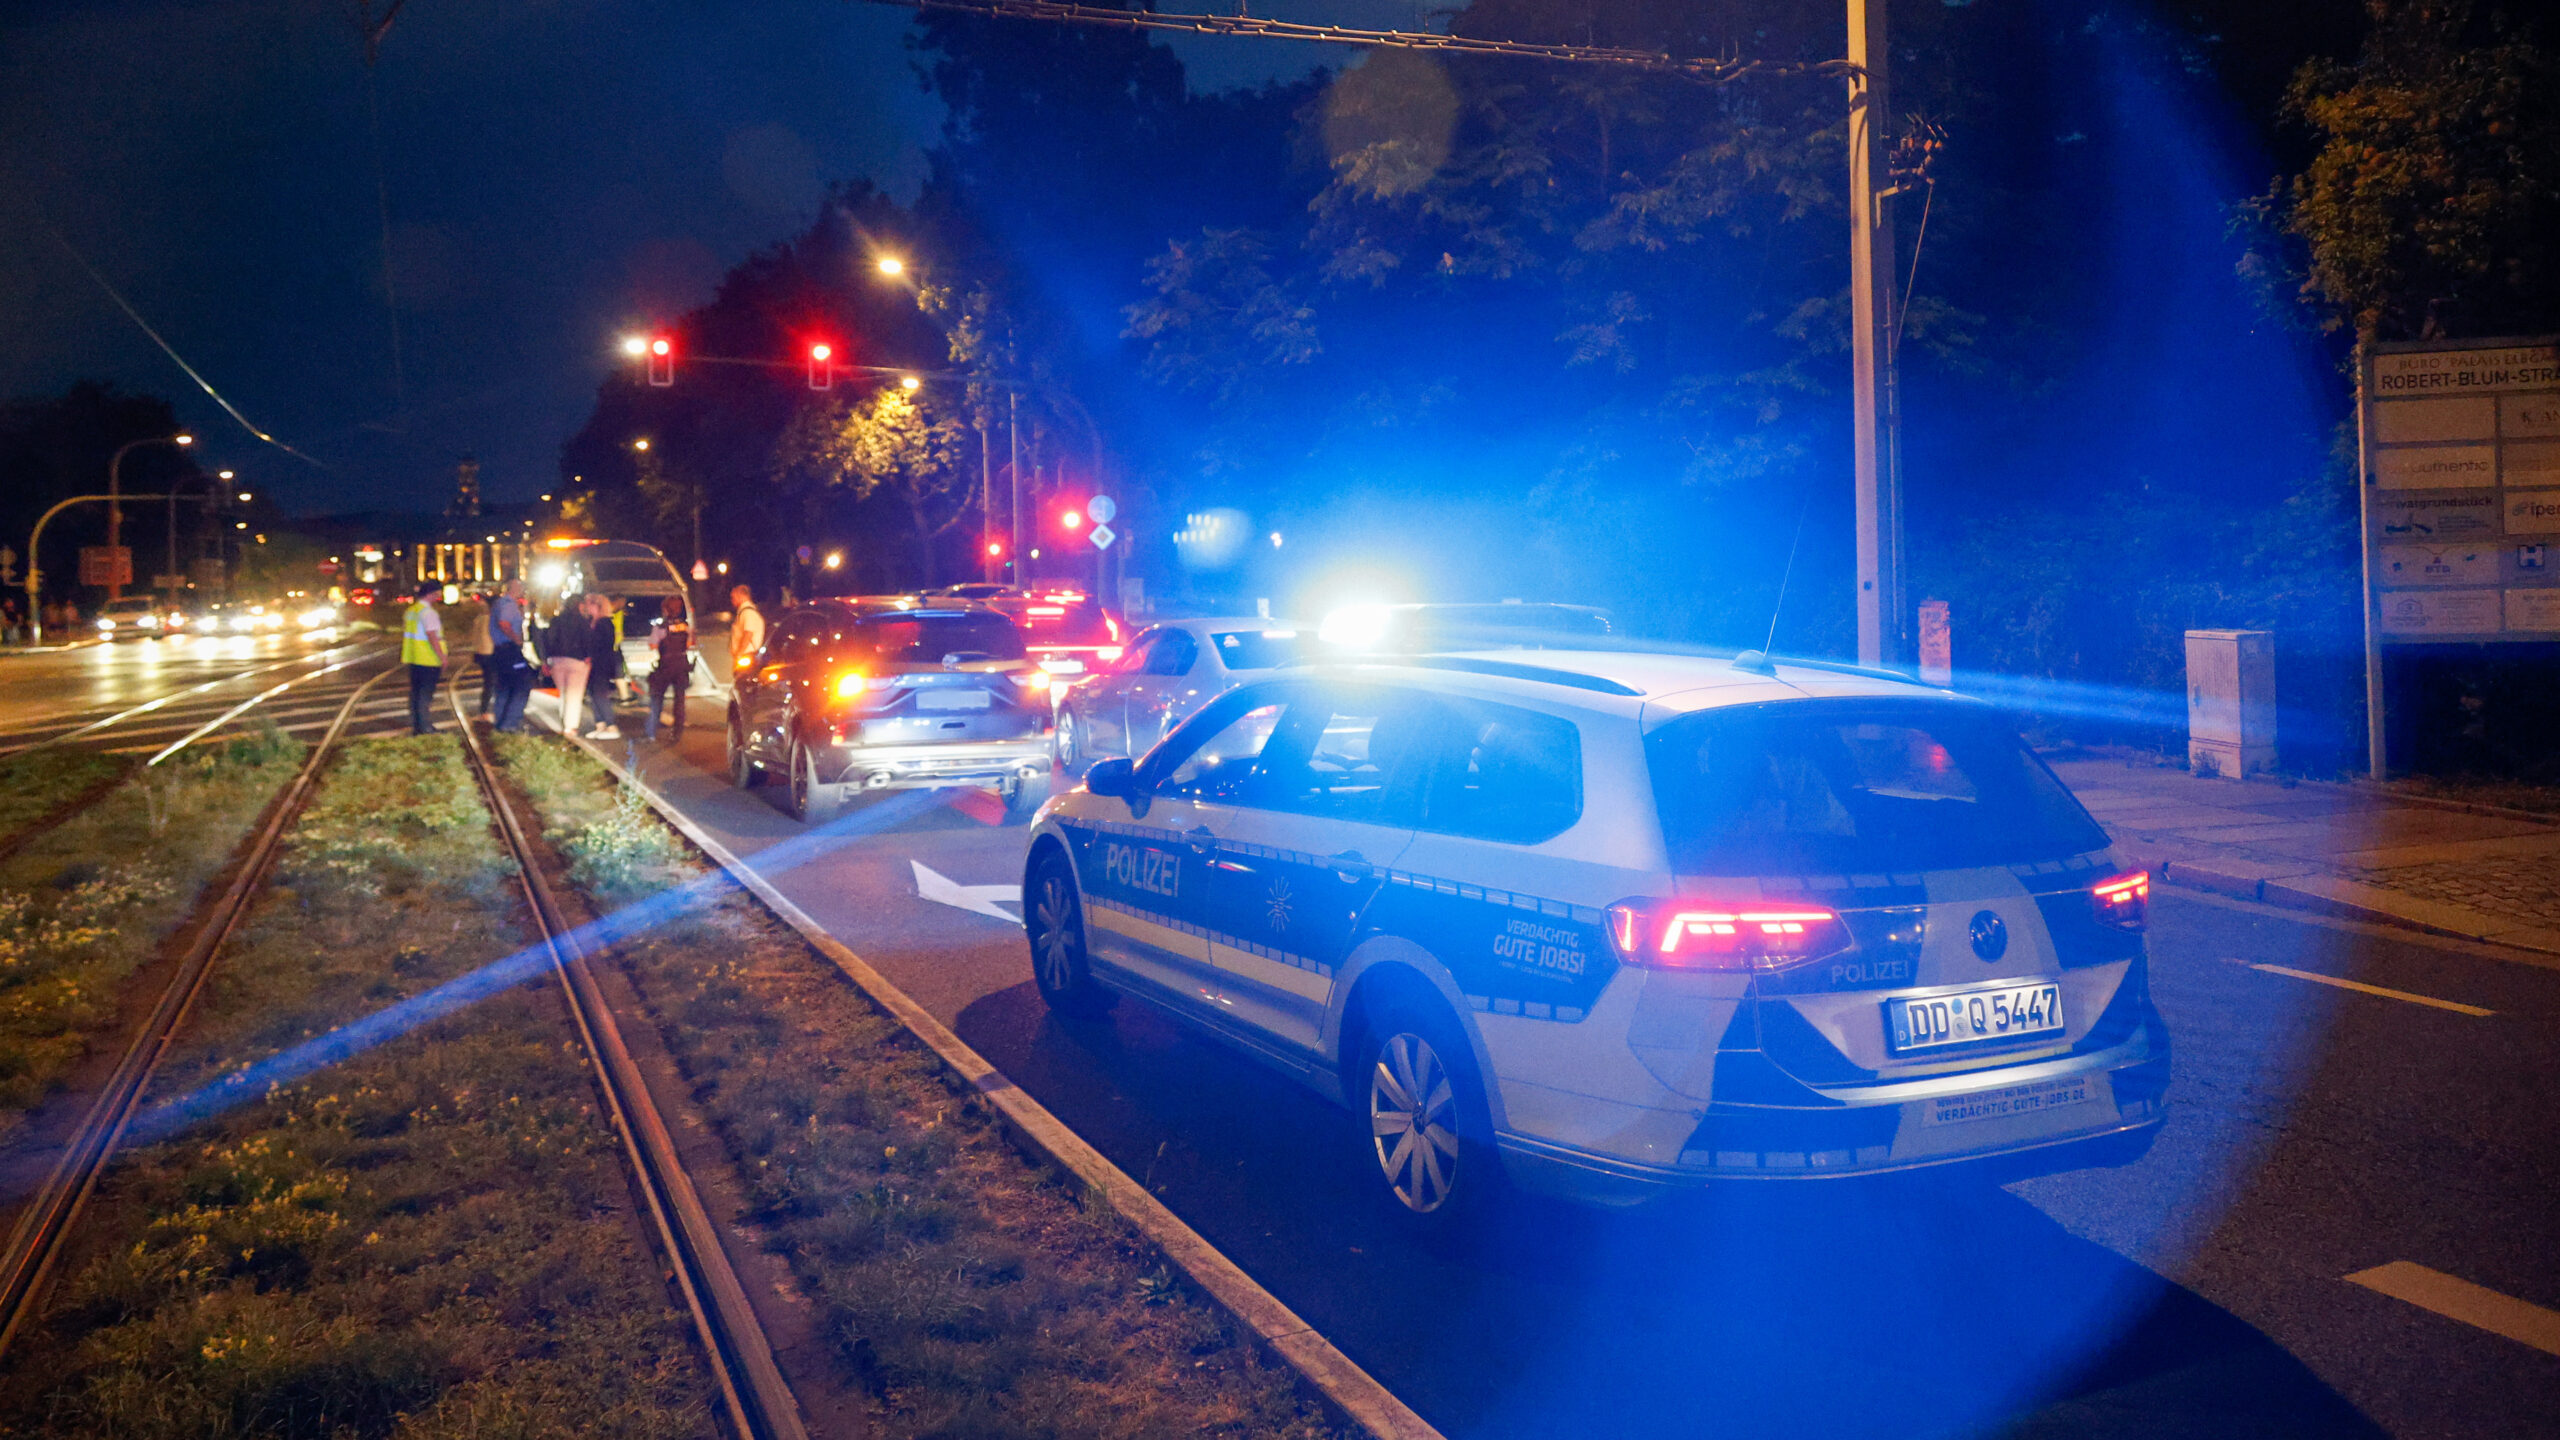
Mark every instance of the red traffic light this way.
pixel 822 365
pixel 1072 519
pixel 822 351
pixel 995 547
pixel 662 361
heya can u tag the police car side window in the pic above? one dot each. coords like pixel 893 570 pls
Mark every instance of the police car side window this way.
pixel 1173 653
pixel 1503 774
pixel 1222 767
pixel 1352 755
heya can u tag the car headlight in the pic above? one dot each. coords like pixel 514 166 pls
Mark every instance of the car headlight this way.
pixel 105 624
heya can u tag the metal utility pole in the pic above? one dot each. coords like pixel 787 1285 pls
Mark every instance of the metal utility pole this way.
pixel 115 502
pixel 986 501
pixel 1883 621
pixel 1013 467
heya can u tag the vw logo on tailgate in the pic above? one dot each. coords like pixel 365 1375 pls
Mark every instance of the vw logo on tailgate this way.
pixel 1990 935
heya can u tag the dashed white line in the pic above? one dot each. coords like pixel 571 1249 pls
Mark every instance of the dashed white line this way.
pixel 2458 1299
pixel 2362 988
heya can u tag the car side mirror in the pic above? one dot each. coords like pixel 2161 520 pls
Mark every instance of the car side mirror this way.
pixel 1115 778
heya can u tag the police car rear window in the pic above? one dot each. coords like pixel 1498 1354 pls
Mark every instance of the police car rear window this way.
pixel 1856 788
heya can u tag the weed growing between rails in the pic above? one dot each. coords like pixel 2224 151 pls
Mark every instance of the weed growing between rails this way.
pixel 37 783
pixel 433 1238
pixel 968 1293
pixel 90 902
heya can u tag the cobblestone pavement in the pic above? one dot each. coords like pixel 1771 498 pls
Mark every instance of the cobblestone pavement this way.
pixel 2526 887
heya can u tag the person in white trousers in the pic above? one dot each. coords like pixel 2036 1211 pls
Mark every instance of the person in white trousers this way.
pixel 570 660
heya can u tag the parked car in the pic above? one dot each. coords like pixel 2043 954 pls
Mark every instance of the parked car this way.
pixel 890 694
pixel 1613 925
pixel 1067 631
pixel 1167 672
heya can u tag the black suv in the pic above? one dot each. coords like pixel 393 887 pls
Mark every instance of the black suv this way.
pixel 890 694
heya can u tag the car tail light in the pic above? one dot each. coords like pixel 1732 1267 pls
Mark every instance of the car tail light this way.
pixel 2123 901
pixel 1032 679
pixel 851 684
pixel 1048 609
pixel 1110 652
pixel 1747 937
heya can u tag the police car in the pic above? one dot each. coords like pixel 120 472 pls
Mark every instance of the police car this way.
pixel 1610 925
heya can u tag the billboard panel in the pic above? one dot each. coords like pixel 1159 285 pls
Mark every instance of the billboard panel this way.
pixel 2461 490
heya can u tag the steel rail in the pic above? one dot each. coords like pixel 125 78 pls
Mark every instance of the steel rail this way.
pixel 754 1397
pixel 36 1241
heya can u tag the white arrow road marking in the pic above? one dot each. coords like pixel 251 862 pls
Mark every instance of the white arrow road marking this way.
pixel 941 889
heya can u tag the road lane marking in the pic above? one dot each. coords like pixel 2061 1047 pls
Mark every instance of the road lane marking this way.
pixel 2362 988
pixel 941 889
pixel 2458 1299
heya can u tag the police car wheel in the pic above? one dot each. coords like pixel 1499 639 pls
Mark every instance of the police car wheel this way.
pixel 742 769
pixel 811 802
pixel 1421 1093
pixel 1056 928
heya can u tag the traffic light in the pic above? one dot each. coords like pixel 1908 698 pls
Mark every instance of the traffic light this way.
pixel 662 361
pixel 822 366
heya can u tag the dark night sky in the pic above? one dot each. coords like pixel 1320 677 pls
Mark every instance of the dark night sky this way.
pixel 558 169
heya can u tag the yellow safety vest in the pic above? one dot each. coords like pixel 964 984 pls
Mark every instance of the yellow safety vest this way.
pixel 415 648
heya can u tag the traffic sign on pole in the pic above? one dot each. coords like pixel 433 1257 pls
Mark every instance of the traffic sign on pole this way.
pixel 1103 508
pixel 1103 535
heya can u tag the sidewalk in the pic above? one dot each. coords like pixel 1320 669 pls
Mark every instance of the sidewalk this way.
pixel 2336 849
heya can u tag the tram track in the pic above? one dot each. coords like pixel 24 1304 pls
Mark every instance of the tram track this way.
pixel 151 722
pixel 756 1402
pixel 49 1216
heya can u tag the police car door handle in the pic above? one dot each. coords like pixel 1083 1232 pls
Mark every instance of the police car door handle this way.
pixel 1351 865
pixel 1201 837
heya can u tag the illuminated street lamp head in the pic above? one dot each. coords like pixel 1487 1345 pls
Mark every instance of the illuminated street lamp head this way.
pixel 224 474
pixel 634 346
pixel 245 495
pixel 640 444
pixel 892 265
pixel 835 559
pixel 184 439
pixel 910 383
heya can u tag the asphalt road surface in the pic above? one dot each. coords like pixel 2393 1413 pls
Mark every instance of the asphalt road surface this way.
pixel 136 696
pixel 2317 1132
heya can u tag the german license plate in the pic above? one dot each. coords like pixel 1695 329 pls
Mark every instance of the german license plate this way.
pixel 1992 1012
pixel 952 699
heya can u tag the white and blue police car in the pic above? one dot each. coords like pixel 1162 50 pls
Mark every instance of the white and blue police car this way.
pixel 1611 925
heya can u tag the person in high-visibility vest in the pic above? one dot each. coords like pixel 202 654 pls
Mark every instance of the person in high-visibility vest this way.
pixel 422 650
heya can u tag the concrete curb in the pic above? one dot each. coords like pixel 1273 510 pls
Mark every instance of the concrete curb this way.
pixel 1352 1391
pixel 2354 900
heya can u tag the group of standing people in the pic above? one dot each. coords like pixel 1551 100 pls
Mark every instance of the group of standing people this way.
pixel 581 650
pixel 58 617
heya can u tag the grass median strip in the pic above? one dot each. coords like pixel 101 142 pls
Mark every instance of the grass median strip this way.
pixel 969 1293
pixel 89 903
pixel 33 785
pixel 431 1238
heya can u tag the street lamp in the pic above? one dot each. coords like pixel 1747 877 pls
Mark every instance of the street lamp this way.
pixel 892 266
pixel 115 500
pixel 910 384
pixel 640 444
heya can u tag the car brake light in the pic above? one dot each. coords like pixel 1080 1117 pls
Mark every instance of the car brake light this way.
pixel 1750 937
pixel 849 686
pixel 2123 901
pixel 1032 680
pixel 1048 609
pixel 1110 652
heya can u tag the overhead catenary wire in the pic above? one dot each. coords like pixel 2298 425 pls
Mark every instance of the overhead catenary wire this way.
pixel 171 351
pixel 1708 69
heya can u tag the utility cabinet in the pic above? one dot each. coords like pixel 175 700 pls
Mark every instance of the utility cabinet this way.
pixel 2231 702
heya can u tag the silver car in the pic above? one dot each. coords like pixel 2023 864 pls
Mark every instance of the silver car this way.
pixel 1166 673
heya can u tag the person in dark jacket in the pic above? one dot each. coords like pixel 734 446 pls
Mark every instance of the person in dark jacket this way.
pixel 604 665
pixel 671 640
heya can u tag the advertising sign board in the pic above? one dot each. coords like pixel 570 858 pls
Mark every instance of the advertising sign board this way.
pixel 102 566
